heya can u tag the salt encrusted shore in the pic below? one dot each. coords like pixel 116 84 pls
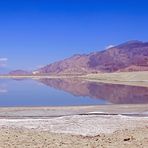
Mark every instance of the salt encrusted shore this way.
pixel 78 127
pixel 85 125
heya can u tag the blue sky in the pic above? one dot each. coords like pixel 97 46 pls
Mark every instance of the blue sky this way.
pixel 37 32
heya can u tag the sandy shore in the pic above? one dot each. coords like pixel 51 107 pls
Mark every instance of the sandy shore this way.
pixel 24 138
pixel 49 112
pixel 125 78
pixel 77 127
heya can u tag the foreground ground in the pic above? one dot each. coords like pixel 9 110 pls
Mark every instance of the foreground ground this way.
pixel 24 138
pixel 78 127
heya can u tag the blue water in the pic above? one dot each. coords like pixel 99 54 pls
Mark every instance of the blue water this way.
pixel 58 92
pixel 32 93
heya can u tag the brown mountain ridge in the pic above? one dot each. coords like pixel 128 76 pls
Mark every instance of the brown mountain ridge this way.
pixel 129 56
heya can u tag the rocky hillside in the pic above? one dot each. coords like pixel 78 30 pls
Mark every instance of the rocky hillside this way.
pixel 129 56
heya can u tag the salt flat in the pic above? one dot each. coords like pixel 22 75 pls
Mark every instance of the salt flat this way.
pixel 74 126
pixel 75 131
pixel 86 125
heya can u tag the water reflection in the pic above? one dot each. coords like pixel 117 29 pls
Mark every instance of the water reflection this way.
pixel 30 92
pixel 113 93
pixel 66 92
pixel 3 88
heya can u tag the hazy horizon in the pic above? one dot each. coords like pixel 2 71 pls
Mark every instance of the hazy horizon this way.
pixel 35 33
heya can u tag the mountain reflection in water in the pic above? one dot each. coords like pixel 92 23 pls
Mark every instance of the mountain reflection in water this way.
pixel 113 93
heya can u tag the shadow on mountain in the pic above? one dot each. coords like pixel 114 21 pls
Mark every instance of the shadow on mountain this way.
pixel 112 93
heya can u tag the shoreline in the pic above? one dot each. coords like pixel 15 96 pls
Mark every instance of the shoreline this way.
pixel 58 111
pixel 124 78
pixel 114 82
pixel 74 126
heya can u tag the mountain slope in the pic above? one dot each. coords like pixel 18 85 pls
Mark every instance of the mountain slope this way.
pixel 129 56
pixel 75 64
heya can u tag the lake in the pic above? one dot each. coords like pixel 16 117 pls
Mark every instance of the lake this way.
pixel 67 92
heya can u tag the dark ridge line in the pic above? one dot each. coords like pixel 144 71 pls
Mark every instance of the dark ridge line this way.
pixel 83 114
pixel 115 114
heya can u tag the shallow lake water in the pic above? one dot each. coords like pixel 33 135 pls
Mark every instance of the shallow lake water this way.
pixel 67 92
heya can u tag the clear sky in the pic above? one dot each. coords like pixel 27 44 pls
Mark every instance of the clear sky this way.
pixel 37 32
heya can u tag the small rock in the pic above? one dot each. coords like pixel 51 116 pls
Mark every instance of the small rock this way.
pixel 126 139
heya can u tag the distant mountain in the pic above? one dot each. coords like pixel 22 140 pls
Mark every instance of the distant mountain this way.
pixel 76 64
pixel 19 72
pixel 129 56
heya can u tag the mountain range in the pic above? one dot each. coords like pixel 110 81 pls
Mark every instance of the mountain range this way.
pixel 129 56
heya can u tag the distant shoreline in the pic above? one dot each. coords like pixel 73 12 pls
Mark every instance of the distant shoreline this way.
pixel 123 78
